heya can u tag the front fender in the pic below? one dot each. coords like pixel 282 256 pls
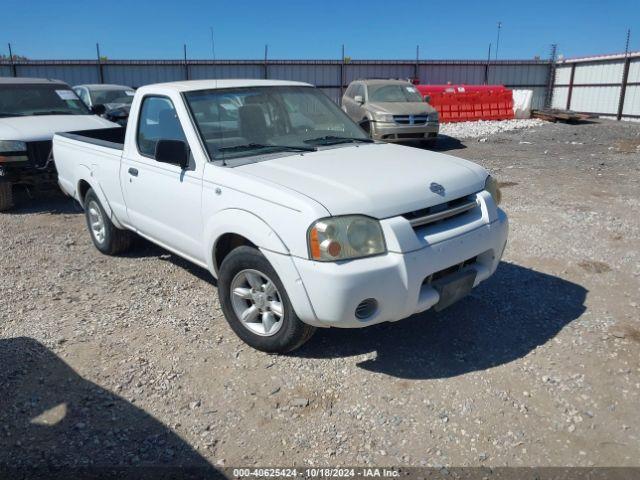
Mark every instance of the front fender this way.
pixel 244 223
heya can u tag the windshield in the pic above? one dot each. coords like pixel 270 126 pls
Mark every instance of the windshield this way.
pixel 101 97
pixel 54 99
pixel 394 93
pixel 249 121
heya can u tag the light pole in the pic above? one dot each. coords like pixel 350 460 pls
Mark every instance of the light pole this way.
pixel 498 39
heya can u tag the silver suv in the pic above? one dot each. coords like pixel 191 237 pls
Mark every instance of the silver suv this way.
pixel 391 110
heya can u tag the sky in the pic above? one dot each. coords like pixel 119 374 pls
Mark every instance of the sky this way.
pixel 61 29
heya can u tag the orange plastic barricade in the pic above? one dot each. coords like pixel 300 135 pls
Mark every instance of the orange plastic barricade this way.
pixel 460 103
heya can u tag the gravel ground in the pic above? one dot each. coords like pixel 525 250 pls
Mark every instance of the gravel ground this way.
pixel 129 361
pixel 483 128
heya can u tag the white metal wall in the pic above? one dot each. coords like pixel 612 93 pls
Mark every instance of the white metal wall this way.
pixel 595 85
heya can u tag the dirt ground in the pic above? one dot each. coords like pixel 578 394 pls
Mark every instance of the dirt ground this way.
pixel 129 361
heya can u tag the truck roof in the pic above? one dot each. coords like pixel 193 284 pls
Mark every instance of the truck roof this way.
pixel 103 86
pixel 382 81
pixel 189 85
pixel 28 80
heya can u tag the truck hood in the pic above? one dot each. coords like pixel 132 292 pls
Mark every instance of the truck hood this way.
pixel 401 108
pixel 380 180
pixel 42 127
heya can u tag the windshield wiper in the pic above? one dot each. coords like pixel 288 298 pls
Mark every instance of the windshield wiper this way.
pixel 333 140
pixel 261 146
pixel 53 112
pixel 10 114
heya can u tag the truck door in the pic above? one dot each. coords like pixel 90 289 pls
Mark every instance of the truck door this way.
pixel 163 200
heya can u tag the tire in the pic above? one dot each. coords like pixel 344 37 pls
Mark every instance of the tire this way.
pixel 104 234
pixel 288 332
pixel 366 126
pixel 6 196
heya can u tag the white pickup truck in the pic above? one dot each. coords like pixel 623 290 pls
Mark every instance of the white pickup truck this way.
pixel 304 221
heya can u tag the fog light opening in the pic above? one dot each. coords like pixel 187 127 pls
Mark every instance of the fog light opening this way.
pixel 366 308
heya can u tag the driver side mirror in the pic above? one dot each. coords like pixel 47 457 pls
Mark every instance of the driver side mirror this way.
pixel 175 152
pixel 358 99
pixel 98 109
pixel 427 98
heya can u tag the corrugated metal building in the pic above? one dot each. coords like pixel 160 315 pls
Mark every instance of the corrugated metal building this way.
pixel 607 85
pixel 330 75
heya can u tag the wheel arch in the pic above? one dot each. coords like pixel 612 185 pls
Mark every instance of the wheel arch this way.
pixel 231 228
pixel 83 187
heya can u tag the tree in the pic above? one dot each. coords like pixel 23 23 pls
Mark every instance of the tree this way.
pixel 17 58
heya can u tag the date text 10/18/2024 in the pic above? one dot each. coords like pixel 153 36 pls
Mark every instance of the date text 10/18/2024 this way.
pixel 316 472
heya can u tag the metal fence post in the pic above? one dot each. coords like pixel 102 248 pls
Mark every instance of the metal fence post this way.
pixel 100 71
pixel 570 92
pixel 552 77
pixel 486 67
pixel 186 65
pixel 14 69
pixel 342 74
pixel 623 87
pixel 266 62
pixel 625 77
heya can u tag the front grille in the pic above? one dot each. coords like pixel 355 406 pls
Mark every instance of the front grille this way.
pixel 39 152
pixel 442 211
pixel 411 119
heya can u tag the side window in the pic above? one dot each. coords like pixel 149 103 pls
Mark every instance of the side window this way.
pixel 84 96
pixel 349 92
pixel 359 90
pixel 158 121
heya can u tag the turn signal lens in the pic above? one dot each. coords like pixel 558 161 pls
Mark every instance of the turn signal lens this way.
pixel 346 237
pixel 13 158
pixel 314 244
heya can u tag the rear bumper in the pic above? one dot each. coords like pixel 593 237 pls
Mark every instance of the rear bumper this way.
pixel 327 294
pixel 392 132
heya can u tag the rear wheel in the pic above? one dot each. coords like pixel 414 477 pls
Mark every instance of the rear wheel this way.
pixel 106 237
pixel 256 304
pixel 6 196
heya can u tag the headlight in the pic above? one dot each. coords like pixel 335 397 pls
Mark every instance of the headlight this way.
pixel 433 117
pixel 345 237
pixel 13 151
pixel 12 146
pixel 383 117
pixel 491 186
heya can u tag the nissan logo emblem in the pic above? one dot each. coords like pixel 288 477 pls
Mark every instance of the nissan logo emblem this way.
pixel 437 189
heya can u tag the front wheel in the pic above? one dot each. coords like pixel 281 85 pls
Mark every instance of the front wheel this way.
pixel 366 126
pixel 256 304
pixel 6 196
pixel 106 237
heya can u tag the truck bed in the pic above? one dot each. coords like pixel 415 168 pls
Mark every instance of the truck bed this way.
pixel 107 137
pixel 96 151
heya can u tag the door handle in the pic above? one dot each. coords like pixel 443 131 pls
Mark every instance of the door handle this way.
pixel 133 171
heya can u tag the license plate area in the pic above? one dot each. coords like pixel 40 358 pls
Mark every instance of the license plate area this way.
pixel 454 287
